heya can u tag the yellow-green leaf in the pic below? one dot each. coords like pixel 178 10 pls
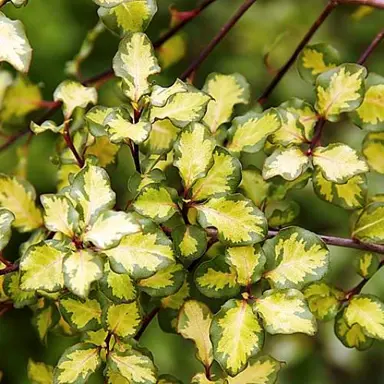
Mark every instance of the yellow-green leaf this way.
pixel 44 319
pixel 108 3
pixel 373 147
pixel 176 300
pixel 39 373
pixel 227 91
pixel 95 120
pixel 279 187
pixel 280 213
pixel 367 264
pixel 286 312
pixel 369 226
pixel 253 185
pixel 76 364
pixel 295 257
pixel 104 150
pixel 95 337
pixel 236 335
pixel 19 297
pixel 168 379
pixel 6 220
pixel 340 90
pixel 201 378
pixel 160 95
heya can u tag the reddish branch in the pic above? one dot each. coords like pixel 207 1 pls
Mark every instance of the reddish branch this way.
pixel 375 42
pixel 71 146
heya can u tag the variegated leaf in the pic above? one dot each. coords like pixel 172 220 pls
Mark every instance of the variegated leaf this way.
pixel 104 150
pixel 161 95
pixel 39 373
pixel 373 147
pixel 280 213
pixel 44 319
pixel 108 3
pixel 95 120
pixel 201 378
pixel 95 337
pixel 367 264
pixel 168 379
pixel 6 220
pixel 19 297
pixel 279 187
pixel 253 185
pixel 369 226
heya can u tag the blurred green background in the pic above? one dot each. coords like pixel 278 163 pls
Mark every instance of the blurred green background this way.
pixel 56 29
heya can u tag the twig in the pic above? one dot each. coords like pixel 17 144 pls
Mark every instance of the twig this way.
pixel 70 145
pixel 147 320
pixel 372 3
pixel 216 40
pixel 9 269
pixel 317 137
pixel 375 42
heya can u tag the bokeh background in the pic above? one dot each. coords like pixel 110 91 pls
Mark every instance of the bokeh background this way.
pixel 56 29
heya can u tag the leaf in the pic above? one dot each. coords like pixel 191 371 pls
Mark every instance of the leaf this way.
pixel 156 202
pixel 6 80
pixel 201 378
pixel 285 312
pixel 194 323
pixel 369 226
pixel 165 282
pixel 73 95
pixel 108 3
pixel 92 192
pixel 193 153
pixel 340 90
pixel 41 267
pixel 47 125
pixel 295 257
pixel 281 213
pixel 45 319
pixel 222 178
pixel 168 379
pixel 20 298
pixel 161 95
pixel 135 61
pixel 6 220
pixel 249 132
pixel 316 59
pixel 110 227
pixel 59 214
pixel 95 337
pixel 104 150
pixel 128 16
pixel 370 114
pixel 351 337
pixel 82 315
pixel 123 320
pixel 351 195
pixel 81 269
pixel 226 91
pixel 76 364
pixel 368 312
pixel 15 47
pixel 95 120
pixel 141 255
pixel 279 188
pixel 323 301
pixel 176 300
pixel 133 366
pixel 261 370
pixel 373 146
pixel 367 264
pixel 216 279
pixel 248 262
pixel 39 373
pixel 236 335
pixel 182 108
pixel 190 242
pixel 253 185
pixel 289 163
pixel 120 127
pixel 18 196
pixel 339 162
pixel 237 220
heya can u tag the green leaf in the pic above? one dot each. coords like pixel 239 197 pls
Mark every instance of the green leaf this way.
pixel 193 153
pixel 6 220
pixel 194 323
pixel 82 315
pixel 340 90
pixel 367 264
pixel 279 188
pixel 156 202
pixel 237 219
pixel 351 195
pixel 315 59
pixel 76 364
pixel 285 312
pixel 370 114
pixel 182 108
pixel 18 196
pixel 15 47
pixel 44 319
pixel 236 335
pixel 373 146
pixel 41 267
pixel 295 257
pixel 95 120
pixel 135 61
pixel 368 312
pixel 133 366
pixel 261 370
pixel 123 320
pixel 351 337
pixel 369 226
pixel 176 300
pixel 39 373
pixel 128 15
pixel 110 227
pixel 81 269
pixel 249 132
pixel 168 379
pixel 161 95
pixel 20 298
pixel 226 91
pixel 280 213
pixel 289 163
pixel 253 185
pixel 248 262
pixel 223 177
pixel 73 95
pixel 141 255
pixel 92 192
pixel 339 162
pixel 190 242
pixel 216 279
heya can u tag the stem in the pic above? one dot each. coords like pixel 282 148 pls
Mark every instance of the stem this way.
pixel 375 42
pixel 147 320
pixel 68 140
pixel 372 3
pixel 216 40
pixel 9 269
pixel 284 69
pixel 136 157
pixel 317 137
